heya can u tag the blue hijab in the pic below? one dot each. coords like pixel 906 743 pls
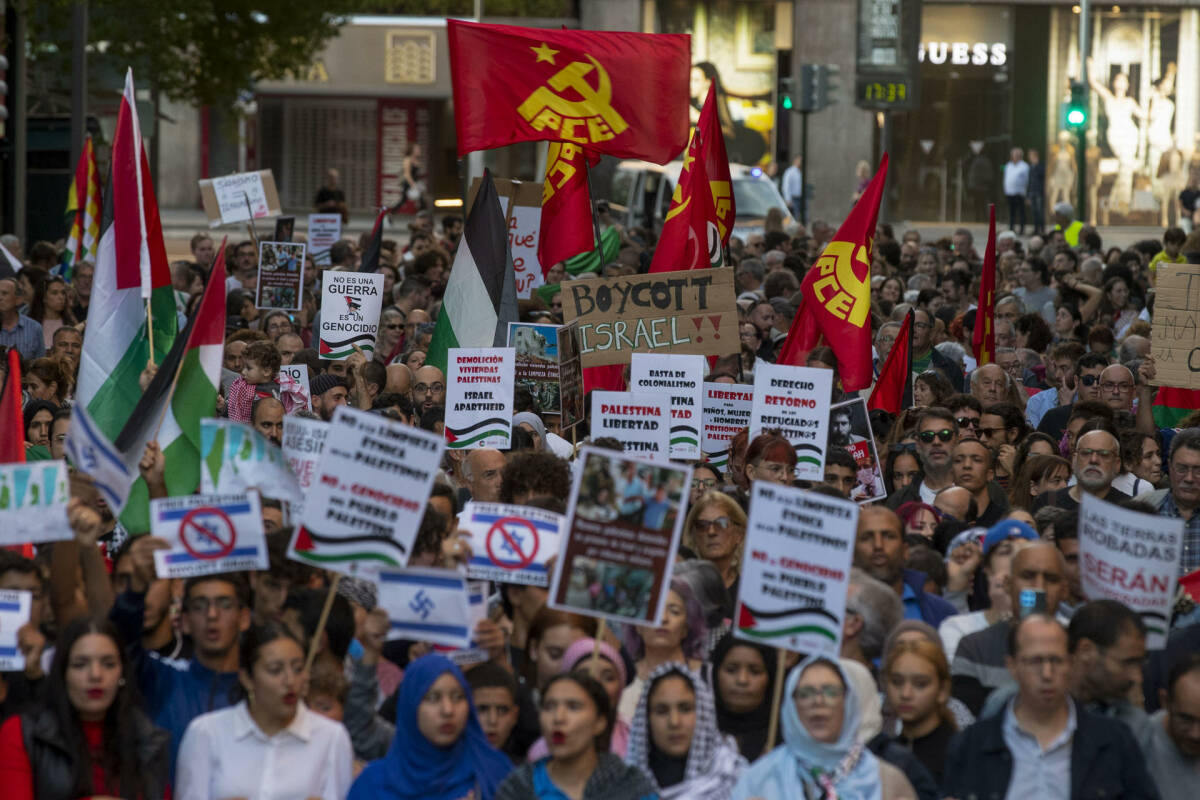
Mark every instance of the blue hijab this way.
pixel 416 768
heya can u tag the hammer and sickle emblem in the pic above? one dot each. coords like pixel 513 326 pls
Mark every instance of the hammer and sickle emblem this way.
pixel 851 297
pixel 592 102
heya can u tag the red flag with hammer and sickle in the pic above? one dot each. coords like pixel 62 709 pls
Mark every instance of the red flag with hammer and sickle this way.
pixel 615 93
pixel 837 294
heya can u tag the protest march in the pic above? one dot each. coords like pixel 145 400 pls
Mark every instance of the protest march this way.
pixel 613 508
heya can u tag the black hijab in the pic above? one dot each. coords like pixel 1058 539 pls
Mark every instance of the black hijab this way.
pixel 749 728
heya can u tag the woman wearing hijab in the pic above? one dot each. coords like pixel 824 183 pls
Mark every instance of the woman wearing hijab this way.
pixel 534 426
pixel 440 752
pixel 820 756
pixel 675 740
pixel 742 676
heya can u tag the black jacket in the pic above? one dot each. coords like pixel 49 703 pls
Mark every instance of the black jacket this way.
pixel 52 760
pixel 1105 761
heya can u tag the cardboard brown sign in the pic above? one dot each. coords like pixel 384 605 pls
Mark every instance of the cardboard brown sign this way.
pixel 1176 328
pixel 686 311
pixel 236 198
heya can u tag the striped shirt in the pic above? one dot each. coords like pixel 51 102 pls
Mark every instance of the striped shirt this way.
pixel 1189 559
pixel 25 337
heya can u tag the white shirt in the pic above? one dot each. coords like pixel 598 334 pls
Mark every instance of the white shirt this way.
pixel 1016 178
pixel 793 183
pixel 953 629
pixel 224 754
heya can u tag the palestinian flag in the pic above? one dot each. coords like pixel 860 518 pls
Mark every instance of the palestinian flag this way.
pixel 132 275
pixel 370 257
pixel 83 209
pixel 774 628
pixel 481 294
pixel 1172 404
pixel 183 392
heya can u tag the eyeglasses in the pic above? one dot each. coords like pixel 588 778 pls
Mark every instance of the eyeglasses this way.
pixel 430 387
pixel 809 694
pixel 704 483
pixel 702 525
pixel 393 327
pixel 968 422
pixel 1087 452
pixel 201 605
pixel 944 435
pixel 905 447
pixel 1109 386
pixel 990 432
pixel 1089 380
pixel 1184 470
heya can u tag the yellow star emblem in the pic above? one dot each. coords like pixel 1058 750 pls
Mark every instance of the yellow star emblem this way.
pixel 544 53
pixel 688 158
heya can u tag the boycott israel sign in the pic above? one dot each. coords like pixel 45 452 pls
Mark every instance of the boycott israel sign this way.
pixel 686 311
pixel 208 533
pixel 640 422
pixel 350 306
pixel 679 378
pixel 726 411
pixel 798 553
pixel 1132 558
pixel 511 544
pixel 33 502
pixel 794 400
pixel 479 397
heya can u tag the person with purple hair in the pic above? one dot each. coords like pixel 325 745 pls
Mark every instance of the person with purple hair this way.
pixel 681 637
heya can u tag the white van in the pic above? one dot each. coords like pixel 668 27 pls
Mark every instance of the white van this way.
pixel 640 193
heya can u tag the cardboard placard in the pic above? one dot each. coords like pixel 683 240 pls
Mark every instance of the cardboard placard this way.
pixel 623 525
pixel 570 376
pixel 368 494
pixel 510 543
pixel 280 275
pixel 209 534
pixel 686 311
pixel 225 198
pixel 726 411
pixel 15 607
pixel 351 303
pixel 521 205
pixel 303 443
pixel 536 346
pixel 479 397
pixel 640 422
pixel 236 458
pixel 794 400
pixel 33 503
pixel 1175 335
pixel 679 378
pixel 323 231
pixel 799 549
pixel 1132 558
pixel 428 605
pixel 850 428
pixel 295 390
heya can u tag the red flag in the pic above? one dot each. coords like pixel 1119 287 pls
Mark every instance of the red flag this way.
pixel 701 215
pixel 983 339
pixel 837 294
pixel 566 227
pixel 616 93
pixel 893 389
pixel 12 424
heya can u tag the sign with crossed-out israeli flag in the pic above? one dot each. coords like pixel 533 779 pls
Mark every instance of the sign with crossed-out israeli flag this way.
pixel 428 605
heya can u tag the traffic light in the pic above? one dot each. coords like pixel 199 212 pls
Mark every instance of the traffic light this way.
pixel 1076 116
pixel 825 86
pixel 787 94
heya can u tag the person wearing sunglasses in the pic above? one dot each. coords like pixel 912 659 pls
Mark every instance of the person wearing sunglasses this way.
pixel 716 529
pixel 936 433
pixel 1087 387
pixel 966 410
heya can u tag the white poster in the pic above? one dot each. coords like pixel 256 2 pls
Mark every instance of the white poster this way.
pixel 640 422
pixel 509 543
pixel 1132 558
pixel 796 571
pixel 479 397
pixel 240 195
pixel 208 533
pixel 350 306
pixel 726 411
pixel 303 441
pixel 237 458
pixel 15 606
pixel 681 379
pixel 323 231
pixel 428 605
pixel 294 388
pixel 794 400
pixel 33 503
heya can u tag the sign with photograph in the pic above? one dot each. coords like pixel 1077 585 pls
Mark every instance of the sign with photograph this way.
pixel 570 376
pixel 850 428
pixel 280 275
pixel 536 346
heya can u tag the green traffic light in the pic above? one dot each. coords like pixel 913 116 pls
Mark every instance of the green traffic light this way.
pixel 786 102
pixel 1075 116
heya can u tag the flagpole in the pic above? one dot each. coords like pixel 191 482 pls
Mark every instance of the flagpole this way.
pixel 587 171
pixel 150 328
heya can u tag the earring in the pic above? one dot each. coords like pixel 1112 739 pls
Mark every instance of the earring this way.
pixel 121 682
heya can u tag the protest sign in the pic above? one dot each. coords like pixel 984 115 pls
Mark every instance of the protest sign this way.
pixel 295 392
pixel 521 205
pixel 15 606
pixel 794 400
pixel 323 231
pixel 850 428
pixel 536 347
pixel 726 411
pixel 33 503
pixel 686 311
pixel 239 197
pixel 303 442
pixel 640 422
pixel 570 376
pixel 622 532
pixel 479 397
pixel 798 552
pixel 429 605
pixel 208 534
pixel 350 306
pixel 477 592
pixel 280 275
pixel 680 378
pixel 1132 558
pixel 368 493
pixel 236 458
pixel 509 543
pixel 1175 337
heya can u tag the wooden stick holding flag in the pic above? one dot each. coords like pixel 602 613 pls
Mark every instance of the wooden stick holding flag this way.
pixel 983 338
pixel 776 696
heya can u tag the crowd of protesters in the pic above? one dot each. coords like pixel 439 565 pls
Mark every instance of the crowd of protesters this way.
pixel 947 684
